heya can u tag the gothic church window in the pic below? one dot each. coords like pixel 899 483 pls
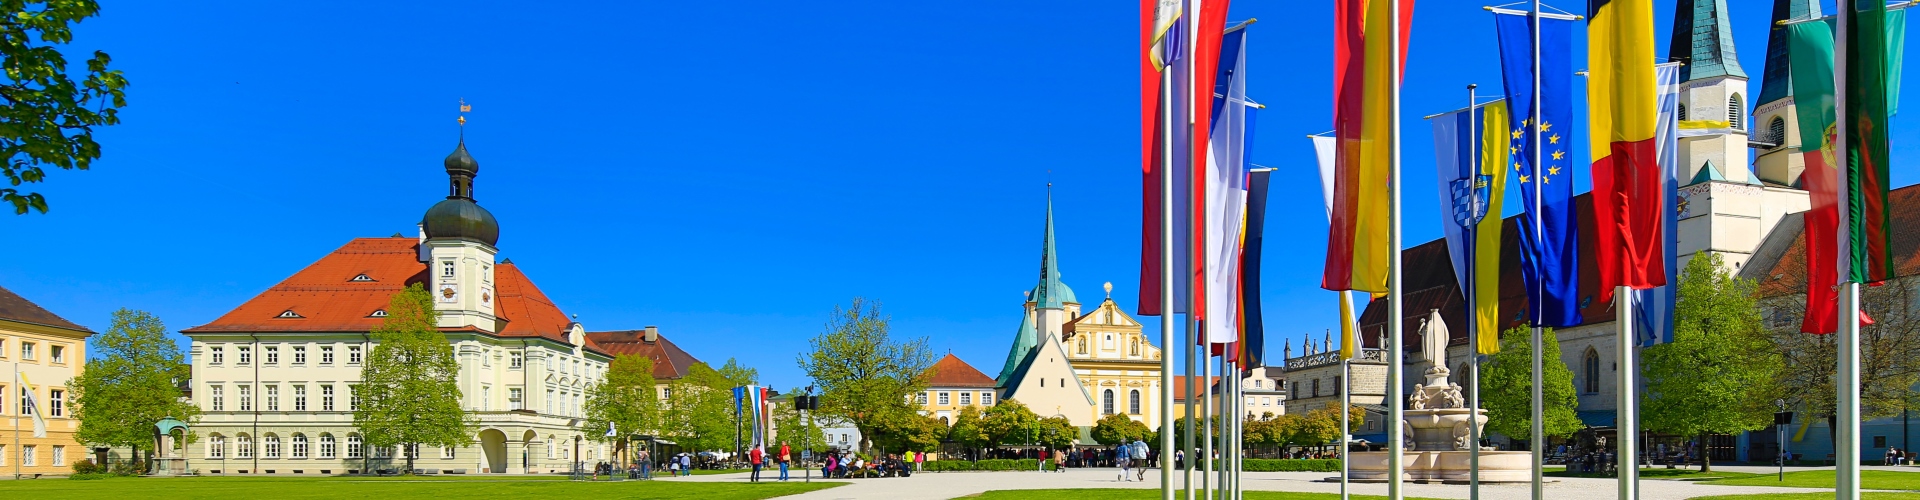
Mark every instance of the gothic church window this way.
pixel 1591 369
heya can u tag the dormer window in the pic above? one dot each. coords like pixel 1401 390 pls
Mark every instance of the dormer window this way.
pixel 289 314
pixel 361 278
pixel 378 313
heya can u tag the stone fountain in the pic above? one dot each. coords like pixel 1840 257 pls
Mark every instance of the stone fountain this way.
pixel 1438 440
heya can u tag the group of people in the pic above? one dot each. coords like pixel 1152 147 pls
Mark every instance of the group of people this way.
pixel 757 457
pixel 1132 456
pixel 852 465
pixel 1895 457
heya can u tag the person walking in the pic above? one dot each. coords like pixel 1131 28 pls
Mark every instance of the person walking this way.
pixel 646 465
pixel 686 464
pixel 755 458
pixel 1139 458
pixel 786 455
pixel 1120 458
pixel 1180 459
pixel 919 461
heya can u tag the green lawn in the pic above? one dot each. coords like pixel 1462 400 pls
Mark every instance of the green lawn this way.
pixel 1814 496
pixel 391 487
pixel 1869 479
pixel 1130 494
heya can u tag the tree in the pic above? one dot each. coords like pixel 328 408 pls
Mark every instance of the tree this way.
pixel 132 382
pixel 625 399
pixel 864 373
pixel 1180 430
pixel 1118 429
pixel 1506 385
pixel 50 117
pixel 1055 432
pixel 1720 374
pixel 1008 422
pixel 409 393
pixel 907 431
pixel 1889 353
pixel 969 429
pixel 699 412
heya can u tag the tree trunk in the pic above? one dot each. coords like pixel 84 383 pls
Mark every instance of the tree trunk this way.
pixel 407 449
pixel 1832 438
pixel 1706 459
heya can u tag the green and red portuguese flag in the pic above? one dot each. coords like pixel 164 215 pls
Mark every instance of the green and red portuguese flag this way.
pixel 1849 227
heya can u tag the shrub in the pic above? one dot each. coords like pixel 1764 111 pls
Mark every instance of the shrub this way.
pixel 85 466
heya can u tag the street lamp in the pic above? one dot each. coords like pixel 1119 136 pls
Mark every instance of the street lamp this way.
pixel 806 450
pixel 577 473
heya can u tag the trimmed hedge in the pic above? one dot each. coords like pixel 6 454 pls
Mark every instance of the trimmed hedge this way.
pixel 1251 465
pixel 983 465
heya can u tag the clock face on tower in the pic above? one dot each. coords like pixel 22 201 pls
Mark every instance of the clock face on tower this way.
pixel 449 292
pixel 486 297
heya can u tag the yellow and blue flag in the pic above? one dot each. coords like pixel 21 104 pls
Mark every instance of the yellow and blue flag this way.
pixel 1470 148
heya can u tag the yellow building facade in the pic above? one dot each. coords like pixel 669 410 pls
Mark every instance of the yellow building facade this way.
pixel 1116 363
pixel 42 353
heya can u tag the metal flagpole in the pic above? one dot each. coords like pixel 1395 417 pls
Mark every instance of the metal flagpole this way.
pixel 1220 413
pixel 1468 240
pixel 1537 438
pixel 1166 281
pixel 1198 235
pixel 1395 298
pixel 1627 464
pixel 1192 395
pixel 1346 407
pixel 16 421
pixel 1846 449
pixel 1207 408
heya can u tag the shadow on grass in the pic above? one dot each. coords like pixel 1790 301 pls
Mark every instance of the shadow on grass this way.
pixel 1143 494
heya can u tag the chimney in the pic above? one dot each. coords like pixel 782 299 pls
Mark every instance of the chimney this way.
pixel 653 334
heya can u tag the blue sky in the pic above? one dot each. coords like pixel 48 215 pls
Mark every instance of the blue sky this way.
pixel 726 171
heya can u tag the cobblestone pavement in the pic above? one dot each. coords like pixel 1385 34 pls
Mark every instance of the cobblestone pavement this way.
pixel 946 485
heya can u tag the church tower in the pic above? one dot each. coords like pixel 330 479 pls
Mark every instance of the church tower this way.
pixel 1725 208
pixel 1778 162
pixel 1039 372
pixel 1713 87
pixel 457 240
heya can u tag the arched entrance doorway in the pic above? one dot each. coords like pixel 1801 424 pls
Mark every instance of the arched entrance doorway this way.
pixel 493 443
pixel 527 442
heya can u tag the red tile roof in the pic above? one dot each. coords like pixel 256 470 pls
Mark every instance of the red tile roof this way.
pixel 18 309
pixel 950 371
pixel 327 298
pixel 1180 386
pixel 1780 264
pixel 669 362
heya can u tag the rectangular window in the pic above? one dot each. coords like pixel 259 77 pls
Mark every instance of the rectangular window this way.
pixel 326 446
pixel 246 354
pixel 300 397
pixel 28 456
pixel 26 353
pixel 59 455
pixel 920 399
pixel 299 446
pixel 272 354
pixel 446 268
pixel 217 355
pixel 549 402
pixel 966 398
pixel 218 400
pixel 513 398
pixel 353 398
pixel 273 397
pixel 353 354
pixel 326 355
pixel 486 398
pixel 26 395
pixel 272 448
pixel 353 446
pixel 447 452
pixel 59 355
pixel 246 397
pixel 3 455
pixel 56 403
pixel 986 399
pixel 326 398
pixel 1878 442
pixel 217 447
pixel 1336 385
pixel 299 355
pixel 243 447
pixel 515 360
pixel 946 399
pixel 1316 387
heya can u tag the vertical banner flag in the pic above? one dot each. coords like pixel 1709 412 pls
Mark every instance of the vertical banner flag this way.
pixel 1162 42
pixel 1253 337
pixel 1654 306
pixel 1810 53
pixel 1868 252
pixel 1470 148
pixel 1226 191
pixel 1324 150
pixel 32 407
pixel 1549 242
pixel 1627 182
pixel 1357 242
pixel 1210 16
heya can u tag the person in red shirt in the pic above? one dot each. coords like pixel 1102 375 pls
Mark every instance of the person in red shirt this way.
pixel 756 457
pixel 786 455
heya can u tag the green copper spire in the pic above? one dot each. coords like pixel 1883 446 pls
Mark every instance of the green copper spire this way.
pixel 1775 83
pixel 1050 293
pixel 1023 343
pixel 1703 39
